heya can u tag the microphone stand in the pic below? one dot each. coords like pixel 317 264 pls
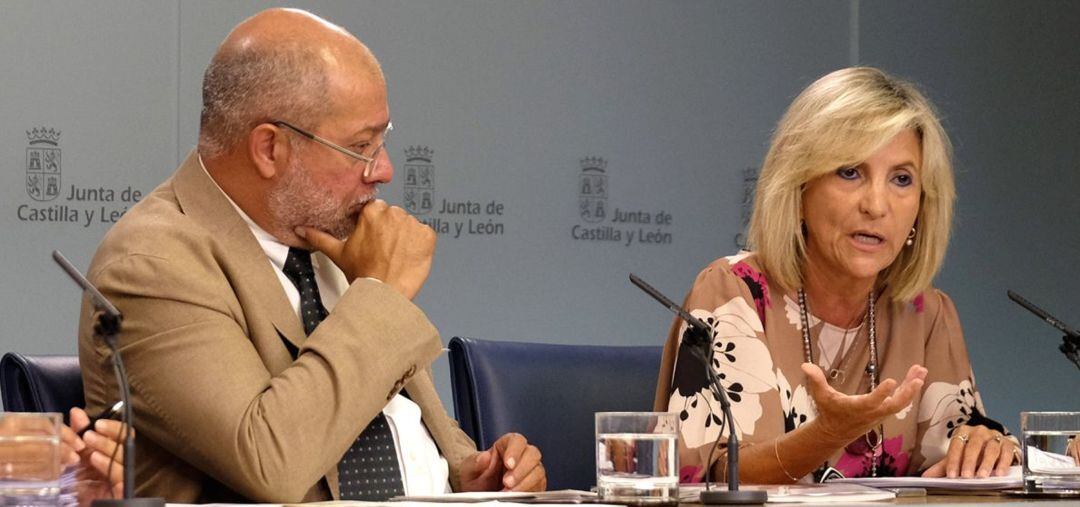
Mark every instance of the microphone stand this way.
pixel 699 339
pixel 107 328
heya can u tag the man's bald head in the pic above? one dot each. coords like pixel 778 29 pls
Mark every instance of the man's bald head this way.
pixel 277 64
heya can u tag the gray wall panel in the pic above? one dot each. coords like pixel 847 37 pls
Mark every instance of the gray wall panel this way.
pixel 1006 77
pixel 104 76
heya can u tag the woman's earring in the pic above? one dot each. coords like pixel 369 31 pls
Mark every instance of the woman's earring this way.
pixel 910 238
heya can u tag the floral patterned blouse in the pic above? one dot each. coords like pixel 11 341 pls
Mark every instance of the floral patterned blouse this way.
pixel 757 349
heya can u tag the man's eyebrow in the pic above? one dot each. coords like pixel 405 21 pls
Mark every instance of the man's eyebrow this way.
pixel 373 128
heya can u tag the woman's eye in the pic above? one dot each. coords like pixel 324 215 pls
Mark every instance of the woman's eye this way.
pixel 903 179
pixel 848 173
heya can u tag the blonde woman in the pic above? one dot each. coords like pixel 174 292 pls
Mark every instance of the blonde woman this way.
pixel 832 344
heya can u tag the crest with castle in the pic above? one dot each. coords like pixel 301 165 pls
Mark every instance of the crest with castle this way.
pixel 419 179
pixel 43 164
pixel 593 177
pixel 418 167
pixel 592 189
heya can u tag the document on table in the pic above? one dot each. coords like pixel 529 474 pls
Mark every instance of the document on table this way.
pixel 477 499
pixel 799 493
pixel 1051 463
pixel 1010 481
pixel 568 496
pixel 520 502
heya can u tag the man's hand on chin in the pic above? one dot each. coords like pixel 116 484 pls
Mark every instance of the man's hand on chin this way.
pixel 388 244
pixel 509 465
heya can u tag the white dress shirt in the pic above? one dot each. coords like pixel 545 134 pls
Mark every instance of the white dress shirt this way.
pixel 423 470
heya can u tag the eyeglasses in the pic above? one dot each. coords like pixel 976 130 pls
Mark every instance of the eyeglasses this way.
pixel 369 161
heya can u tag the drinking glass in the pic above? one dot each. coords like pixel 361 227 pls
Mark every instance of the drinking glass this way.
pixel 636 457
pixel 29 458
pixel 1051 453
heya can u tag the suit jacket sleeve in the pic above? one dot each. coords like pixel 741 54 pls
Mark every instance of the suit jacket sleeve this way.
pixel 203 391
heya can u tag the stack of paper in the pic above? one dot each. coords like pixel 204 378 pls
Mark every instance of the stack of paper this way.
pixel 799 493
pixel 1011 481
pixel 1051 463
pixel 558 496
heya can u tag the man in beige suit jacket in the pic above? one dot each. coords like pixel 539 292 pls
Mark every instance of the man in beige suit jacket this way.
pixel 234 401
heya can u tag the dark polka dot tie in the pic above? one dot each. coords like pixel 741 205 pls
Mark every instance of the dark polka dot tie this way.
pixel 369 470
pixel 299 270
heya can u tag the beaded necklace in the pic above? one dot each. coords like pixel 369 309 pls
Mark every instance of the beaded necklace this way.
pixel 873 439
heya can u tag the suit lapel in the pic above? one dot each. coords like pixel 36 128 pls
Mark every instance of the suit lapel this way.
pixel 201 200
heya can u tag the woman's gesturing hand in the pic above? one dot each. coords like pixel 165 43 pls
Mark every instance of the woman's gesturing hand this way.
pixel 844 417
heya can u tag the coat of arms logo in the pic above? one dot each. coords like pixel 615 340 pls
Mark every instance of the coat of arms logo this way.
pixel 43 164
pixel 419 180
pixel 592 189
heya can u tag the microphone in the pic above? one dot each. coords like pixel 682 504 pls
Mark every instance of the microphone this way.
pixel 107 328
pixel 1070 342
pixel 699 340
pixel 703 331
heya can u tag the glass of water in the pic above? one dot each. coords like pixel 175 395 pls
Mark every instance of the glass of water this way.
pixel 636 457
pixel 1051 446
pixel 29 458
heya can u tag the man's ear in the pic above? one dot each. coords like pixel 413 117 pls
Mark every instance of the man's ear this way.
pixel 268 149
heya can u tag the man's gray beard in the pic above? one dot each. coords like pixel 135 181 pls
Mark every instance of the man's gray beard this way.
pixel 299 201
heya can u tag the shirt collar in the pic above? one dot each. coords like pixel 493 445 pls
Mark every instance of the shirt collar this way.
pixel 275 250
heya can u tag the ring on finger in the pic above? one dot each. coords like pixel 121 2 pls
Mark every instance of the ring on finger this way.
pixel 962 438
pixel 998 437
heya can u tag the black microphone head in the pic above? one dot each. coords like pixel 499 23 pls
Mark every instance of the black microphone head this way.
pixel 696 337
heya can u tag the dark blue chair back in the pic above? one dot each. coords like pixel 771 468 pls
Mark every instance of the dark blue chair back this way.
pixel 549 393
pixel 41 383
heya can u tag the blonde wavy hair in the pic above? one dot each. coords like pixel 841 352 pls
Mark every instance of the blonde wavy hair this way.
pixel 839 121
